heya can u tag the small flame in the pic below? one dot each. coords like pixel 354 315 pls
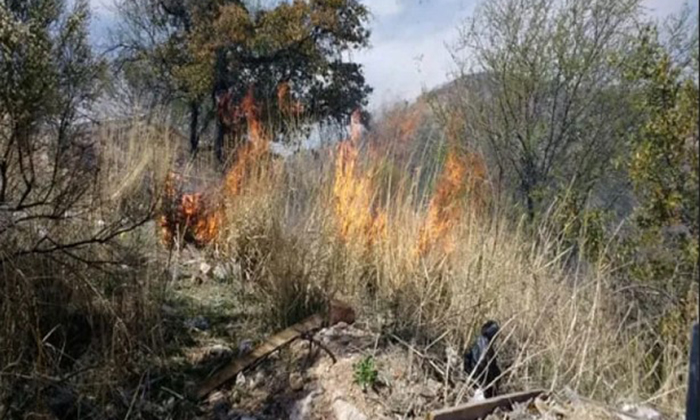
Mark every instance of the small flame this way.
pixel 190 216
pixel 288 107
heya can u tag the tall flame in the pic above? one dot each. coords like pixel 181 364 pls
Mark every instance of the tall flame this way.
pixel 250 153
pixel 357 220
pixel 464 173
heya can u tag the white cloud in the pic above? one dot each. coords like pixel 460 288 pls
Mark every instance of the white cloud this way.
pixel 383 8
pixel 405 30
pixel 663 8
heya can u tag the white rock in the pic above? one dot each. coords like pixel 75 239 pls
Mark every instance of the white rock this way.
pixel 240 380
pixel 204 268
pixel 637 412
pixel 220 272
pixel 478 395
pixel 345 411
pixel 245 347
pixel 301 410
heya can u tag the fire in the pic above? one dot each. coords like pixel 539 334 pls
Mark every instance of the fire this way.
pixel 353 193
pixel 189 216
pixel 464 173
pixel 198 217
pixel 287 106
pixel 251 153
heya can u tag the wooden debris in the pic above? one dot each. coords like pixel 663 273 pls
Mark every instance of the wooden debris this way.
pixel 480 409
pixel 338 312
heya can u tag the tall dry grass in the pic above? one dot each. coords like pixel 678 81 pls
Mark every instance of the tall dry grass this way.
pixel 564 324
pixel 79 293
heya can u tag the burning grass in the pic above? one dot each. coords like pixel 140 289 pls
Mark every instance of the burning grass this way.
pixel 463 178
pixel 358 219
pixel 199 217
pixel 562 326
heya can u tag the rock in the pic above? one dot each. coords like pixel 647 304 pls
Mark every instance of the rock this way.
pixel 431 389
pixel 296 382
pixel 478 395
pixel 343 410
pixel 639 413
pixel 341 312
pixel 258 380
pixel 220 272
pixel 301 410
pixel 199 322
pixel 245 347
pixel 219 351
pixel 204 268
pixel 240 379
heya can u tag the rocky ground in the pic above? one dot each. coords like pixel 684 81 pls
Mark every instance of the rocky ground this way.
pixel 209 327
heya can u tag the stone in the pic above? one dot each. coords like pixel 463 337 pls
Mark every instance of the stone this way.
pixel 245 347
pixel 240 380
pixel 341 312
pixel 199 322
pixel 219 351
pixel 220 273
pixel 343 410
pixel 296 382
pixel 639 412
pixel 301 409
pixel 204 268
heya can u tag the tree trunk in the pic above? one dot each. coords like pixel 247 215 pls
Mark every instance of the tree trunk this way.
pixel 194 124
pixel 219 141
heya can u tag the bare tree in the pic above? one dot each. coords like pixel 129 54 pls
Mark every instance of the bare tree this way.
pixel 541 90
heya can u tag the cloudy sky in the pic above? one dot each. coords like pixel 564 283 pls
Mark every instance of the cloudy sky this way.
pixel 409 39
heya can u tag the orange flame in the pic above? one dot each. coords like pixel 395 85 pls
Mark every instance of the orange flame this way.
pixel 190 216
pixel 199 220
pixel 249 154
pixel 464 173
pixel 353 193
pixel 288 107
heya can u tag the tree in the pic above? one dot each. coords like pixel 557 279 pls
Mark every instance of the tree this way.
pixel 214 51
pixel 663 168
pixel 544 99
pixel 48 76
pixel 48 79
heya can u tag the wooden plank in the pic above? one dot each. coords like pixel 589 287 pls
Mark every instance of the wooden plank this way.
pixel 273 343
pixel 478 409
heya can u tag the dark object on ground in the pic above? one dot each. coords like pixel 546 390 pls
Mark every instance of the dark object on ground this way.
pixel 65 404
pixel 480 409
pixel 480 361
pixel 337 312
pixel 692 411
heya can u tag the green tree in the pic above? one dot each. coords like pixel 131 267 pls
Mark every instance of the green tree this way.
pixel 541 95
pixel 48 76
pixel 213 51
pixel 663 168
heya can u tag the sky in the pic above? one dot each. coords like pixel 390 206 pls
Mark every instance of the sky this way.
pixel 409 43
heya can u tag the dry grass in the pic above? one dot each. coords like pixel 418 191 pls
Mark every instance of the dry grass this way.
pixel 79 293
pixel 563 325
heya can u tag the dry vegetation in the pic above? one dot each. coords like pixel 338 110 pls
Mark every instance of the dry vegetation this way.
pixel 424 268
pixel 125 261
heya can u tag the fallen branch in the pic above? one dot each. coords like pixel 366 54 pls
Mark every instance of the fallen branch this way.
pixel 479 409
pixel 338 312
